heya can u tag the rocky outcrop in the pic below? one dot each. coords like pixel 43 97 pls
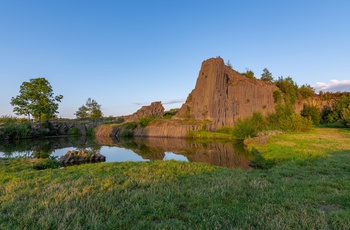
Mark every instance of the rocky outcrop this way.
pixel 156 109
pixel 78 157
pixel 222 96
pixel 316 101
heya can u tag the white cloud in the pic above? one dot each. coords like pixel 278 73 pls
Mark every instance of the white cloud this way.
pixel 333 86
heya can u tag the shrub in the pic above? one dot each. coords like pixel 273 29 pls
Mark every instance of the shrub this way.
pixel 74 132
pixel 311 112
pixel 249 127
pixel 17 131
pixel 244 128
pixel 48 163
pixel 147 120
pixel 130 125
pixel 90 132
pixel 127 133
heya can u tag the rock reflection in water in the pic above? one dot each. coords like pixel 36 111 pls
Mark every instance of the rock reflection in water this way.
pixel 232 155
pixel 225 154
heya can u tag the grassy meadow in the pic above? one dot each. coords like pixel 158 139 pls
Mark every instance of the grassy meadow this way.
pixel 308 188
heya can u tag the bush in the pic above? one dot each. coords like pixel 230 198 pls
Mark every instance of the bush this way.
pixel 147 120
pixel 17 131
pixel 130 125
pixel 127 133
pixel 48 163
pixel 249 127
pixel 90 132
pixel 74 132
pixel 311 112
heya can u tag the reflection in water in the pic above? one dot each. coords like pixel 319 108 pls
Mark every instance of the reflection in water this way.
pixel 227 154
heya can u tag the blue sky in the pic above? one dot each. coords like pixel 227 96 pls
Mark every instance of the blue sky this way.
pixel 125 54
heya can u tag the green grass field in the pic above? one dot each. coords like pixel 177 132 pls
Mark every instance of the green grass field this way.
pixel 308 188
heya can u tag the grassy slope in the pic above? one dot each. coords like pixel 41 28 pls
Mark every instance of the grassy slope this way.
pixel 302 192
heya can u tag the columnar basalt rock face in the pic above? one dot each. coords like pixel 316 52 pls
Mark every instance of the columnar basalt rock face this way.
pixel 222 95
pixel 156 109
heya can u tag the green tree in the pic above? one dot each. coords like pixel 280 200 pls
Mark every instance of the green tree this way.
pixel 266 75
pixel 306 91
pixel 289 88
pixel 37 99
pixel 311 112
pixel 91 109
pixel 248 73
pixel 83 112
pixel 345 114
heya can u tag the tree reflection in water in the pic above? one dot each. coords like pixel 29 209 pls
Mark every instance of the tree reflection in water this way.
pixel 228 154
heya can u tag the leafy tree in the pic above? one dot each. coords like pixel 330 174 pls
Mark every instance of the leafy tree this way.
pixel 345 114
pixel 311 112
pixel 37 99
pixel 266 75
pixel 306 91
pixel 83 112
pixel 248 73
pixel 91 109
pixel 289 88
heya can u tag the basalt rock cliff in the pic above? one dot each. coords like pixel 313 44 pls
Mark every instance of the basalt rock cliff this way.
pixel 156 109
pixel 222 96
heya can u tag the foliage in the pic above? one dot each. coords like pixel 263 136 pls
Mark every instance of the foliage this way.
pixel 130 125
pixel 74 132
pixel 277 96
pixel 248 73
pixel 283 119
pixel 345 115
pixel 289 89
pixel 127 133
pixel 250 126
pixel 306 91
pixel 11 119
pixel 37 99
pixel 91 109
pixel 311 112
pixel 47 163
pixel 169 114
pixel 90 132
pixel 266 75
pixel 144 121
pixel 16 131
pixel 337 113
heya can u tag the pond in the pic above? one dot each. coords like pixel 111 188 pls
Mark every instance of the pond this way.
pixel 220 153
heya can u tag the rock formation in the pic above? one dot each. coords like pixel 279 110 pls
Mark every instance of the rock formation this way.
pixel 78 157
pixel 156 109
pixel 222 95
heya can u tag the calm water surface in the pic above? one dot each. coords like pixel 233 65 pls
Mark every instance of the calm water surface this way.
pixel 227 154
